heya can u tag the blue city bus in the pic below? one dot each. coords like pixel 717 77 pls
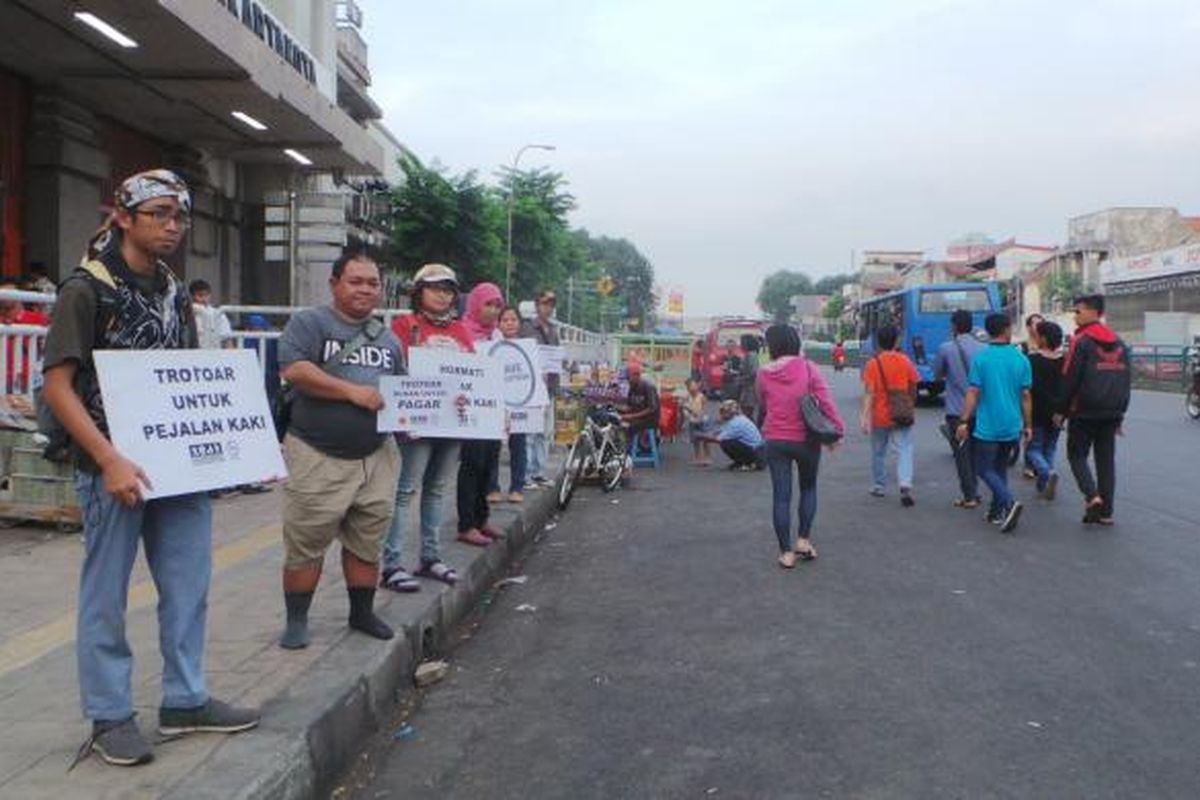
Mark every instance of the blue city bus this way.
pixel 922 315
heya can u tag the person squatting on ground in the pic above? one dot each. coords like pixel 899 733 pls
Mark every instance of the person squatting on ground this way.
pixel 1045 360
pixel 509 327
pixel 426 464
pixel 478 458
pixel 953 363
pixel 342 473
pixel 998 401
pixel 124 297
pixel 781 384
pixel 889 372
pixel 541 328
pixel 696 422
pixel 738 437
pixel 1096 391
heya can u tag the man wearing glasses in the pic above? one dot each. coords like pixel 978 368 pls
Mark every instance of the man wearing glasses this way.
pixel 541 328
pixel 123 297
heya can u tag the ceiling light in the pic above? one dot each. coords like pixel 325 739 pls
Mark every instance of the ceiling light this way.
pixel 298 157
pixel 242 116
pixel 103 27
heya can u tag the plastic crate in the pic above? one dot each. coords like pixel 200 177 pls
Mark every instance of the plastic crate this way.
pixel 42 490
pixel 29 461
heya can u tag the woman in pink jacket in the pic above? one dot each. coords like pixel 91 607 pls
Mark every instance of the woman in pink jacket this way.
pixel 780 386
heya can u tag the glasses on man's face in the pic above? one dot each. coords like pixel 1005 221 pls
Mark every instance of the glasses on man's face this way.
pixel 162 215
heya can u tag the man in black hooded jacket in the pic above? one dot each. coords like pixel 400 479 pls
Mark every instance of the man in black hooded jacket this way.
pixel 1095 397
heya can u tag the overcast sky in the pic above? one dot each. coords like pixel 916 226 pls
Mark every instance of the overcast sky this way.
pixel 729 140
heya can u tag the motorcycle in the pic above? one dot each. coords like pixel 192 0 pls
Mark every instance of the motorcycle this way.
pixel 1192 403
pixel 839 361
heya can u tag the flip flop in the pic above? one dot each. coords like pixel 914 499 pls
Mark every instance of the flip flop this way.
pixel 1091 514
pixel 787 560
pixel 965 502
pixel 438 571
pixel 474 537
pixel 398 580
pixel 805 552
pixel 491 533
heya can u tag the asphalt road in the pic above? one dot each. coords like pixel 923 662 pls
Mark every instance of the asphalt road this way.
pixel 924 655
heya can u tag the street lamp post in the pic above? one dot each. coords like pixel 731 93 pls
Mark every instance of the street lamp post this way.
pixel 512 191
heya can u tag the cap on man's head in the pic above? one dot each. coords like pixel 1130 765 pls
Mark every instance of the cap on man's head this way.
pixel 151 184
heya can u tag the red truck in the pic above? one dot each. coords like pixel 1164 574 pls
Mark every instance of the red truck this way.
pixel 724 339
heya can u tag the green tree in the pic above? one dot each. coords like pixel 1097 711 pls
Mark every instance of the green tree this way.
pixel 452 219
pixel 634 276
pixel 1063 286
pixel 777 290
pixel 542 245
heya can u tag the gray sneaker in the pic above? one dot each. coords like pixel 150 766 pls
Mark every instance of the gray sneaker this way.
pixel 121 743
pixel 212 717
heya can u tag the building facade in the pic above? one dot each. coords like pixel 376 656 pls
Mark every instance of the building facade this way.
pixel 249 100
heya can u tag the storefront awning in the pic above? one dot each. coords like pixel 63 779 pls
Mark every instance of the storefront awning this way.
pixel 195 63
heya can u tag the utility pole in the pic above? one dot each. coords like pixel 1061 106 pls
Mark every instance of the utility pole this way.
pixel 512 191
pixel 571 300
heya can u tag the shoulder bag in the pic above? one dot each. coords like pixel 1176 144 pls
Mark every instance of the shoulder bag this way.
pixel 820 427
pixel 899 401
pixel 281 407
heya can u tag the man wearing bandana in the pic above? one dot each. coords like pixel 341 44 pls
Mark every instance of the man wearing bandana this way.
pixel 124 297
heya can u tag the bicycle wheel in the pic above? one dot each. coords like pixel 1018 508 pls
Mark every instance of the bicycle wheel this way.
pixel 1193 403
pixel 576 459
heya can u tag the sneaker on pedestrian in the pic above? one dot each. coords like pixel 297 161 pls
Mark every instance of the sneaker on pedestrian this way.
pixel 121 743
pixel 1051 486
pixel 906 498
pixel 1028 473
pixel 1011 517
pixel 994 515
pixel 876 491
pixel 212 717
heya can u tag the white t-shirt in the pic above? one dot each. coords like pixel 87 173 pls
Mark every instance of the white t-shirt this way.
pixel 212 327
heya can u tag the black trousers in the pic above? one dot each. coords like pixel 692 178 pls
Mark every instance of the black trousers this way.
pixel 964 461
pixel 476 461
pixel 1098 436
pixel 743 454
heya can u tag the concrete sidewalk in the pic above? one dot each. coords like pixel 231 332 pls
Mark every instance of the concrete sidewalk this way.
pixel 318 704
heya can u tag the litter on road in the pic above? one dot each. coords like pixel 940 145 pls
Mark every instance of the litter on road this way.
pixel 404 732
pixel 515 580
pixel 527 608
pixel 430 673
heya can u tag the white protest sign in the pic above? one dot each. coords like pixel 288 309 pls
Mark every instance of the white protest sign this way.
pixel 527 420
pixel 552 357
pixel 523 384
pixel 459 396
pixel 193 420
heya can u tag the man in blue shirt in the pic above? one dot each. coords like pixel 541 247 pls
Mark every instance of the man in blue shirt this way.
pixel 999 401
pixel 952 364
pixel 739 439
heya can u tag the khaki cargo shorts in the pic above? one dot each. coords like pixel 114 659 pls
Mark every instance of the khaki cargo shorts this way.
pixel 326 498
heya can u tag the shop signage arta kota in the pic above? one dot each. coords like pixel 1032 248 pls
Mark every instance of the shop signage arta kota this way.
pixel 260 22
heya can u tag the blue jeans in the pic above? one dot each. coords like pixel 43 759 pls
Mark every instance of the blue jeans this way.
pixel 1040 453
pixel 176 533
pixel 900 440
pixel 539 445
pixel 807 457
pixel 518 454
pixel 991 462
pixel 427 465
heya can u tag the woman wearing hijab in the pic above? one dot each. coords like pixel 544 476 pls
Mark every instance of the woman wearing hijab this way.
pixel 479 457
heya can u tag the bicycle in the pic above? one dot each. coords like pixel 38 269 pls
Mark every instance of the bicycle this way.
pixel 599 451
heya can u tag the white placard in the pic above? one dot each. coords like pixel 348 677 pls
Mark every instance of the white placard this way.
pixel 527 420
pixel 520 368
pixel 193 420
pixel 552 356
pixel 462 396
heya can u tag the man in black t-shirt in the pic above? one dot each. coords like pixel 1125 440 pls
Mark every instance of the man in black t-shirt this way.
pixel 343 473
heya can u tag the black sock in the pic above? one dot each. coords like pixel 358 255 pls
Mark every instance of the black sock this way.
pixel 295 636
pixel 362 614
